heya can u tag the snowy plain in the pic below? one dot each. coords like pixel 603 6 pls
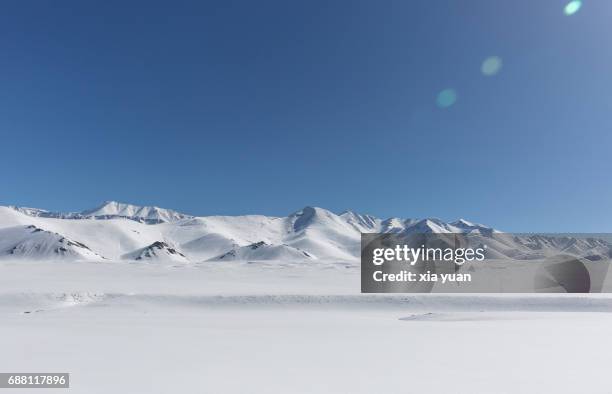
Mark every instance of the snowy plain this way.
pixel 163 328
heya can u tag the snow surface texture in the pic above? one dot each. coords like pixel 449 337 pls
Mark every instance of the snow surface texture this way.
pixel 123 232
pixel 275 328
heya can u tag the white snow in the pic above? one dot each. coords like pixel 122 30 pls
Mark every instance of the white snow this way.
pixel 288 328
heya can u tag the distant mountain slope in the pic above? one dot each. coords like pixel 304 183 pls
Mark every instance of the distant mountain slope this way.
pixel 263 251
pixel 323 234
pixel 111 210
pixel 116 231
pixel 157 251
pixel 31 242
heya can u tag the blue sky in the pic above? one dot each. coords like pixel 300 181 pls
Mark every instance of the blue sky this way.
pixel 237 107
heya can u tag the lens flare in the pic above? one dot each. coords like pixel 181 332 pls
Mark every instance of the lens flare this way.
pixel 572 7
pixel 491 66
pixel 446 98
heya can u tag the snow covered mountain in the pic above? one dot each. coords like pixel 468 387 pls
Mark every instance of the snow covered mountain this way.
pixel 34 243
pixel 111 210
pixel 263 251
pixel 123 232
pixel 158 251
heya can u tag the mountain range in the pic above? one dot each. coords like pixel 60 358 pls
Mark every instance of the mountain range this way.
pixel 123 232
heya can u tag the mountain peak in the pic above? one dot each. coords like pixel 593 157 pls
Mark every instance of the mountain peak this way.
pixel 110 207
pixel 466 226
pixel 363 223
pixel 463 222
pixel 149 214
pixel 311 215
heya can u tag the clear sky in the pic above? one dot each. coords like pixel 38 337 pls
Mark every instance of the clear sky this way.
pixel 235 107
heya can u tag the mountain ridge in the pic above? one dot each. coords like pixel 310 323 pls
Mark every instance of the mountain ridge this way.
pixel 110 210
pixel 124 232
